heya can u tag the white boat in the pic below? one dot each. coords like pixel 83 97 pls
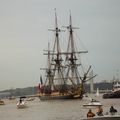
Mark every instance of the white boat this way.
pixel 30 99
pixel 21 104
pixel 105 117
pixel 93 103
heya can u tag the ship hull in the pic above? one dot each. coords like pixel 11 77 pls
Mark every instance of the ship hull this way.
pixel 59 97
pixel 112 95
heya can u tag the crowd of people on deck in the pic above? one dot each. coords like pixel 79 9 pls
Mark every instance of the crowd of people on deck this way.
pixel 90 114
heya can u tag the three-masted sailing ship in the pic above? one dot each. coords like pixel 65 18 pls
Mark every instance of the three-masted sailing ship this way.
pixel 63 77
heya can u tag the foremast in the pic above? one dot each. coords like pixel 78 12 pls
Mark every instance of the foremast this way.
pixel 55 75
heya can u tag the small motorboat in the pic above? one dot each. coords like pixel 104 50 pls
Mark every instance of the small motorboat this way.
pixel 2 102
pixel 21 104
pixel 12 98
pixel 93 102
pixel 105 117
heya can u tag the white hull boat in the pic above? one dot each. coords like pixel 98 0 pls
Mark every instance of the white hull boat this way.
pixel 21 105
pixel 93 103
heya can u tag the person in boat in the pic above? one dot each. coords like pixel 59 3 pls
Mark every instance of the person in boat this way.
pixel 100 111
pixel 90 114
pixel 93 100
pixel 20 101
pixel 112 110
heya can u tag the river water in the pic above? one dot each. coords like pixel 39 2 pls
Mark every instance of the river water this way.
pixel 53 109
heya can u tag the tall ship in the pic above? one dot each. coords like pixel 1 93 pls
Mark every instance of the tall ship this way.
pixel 65 76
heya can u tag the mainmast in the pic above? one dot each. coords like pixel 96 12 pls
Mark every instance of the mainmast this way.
pixel 71 56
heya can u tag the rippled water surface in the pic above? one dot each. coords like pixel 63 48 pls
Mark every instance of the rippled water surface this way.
pixel 53 110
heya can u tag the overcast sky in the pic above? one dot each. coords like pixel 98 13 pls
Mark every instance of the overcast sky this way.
pixel 24 35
